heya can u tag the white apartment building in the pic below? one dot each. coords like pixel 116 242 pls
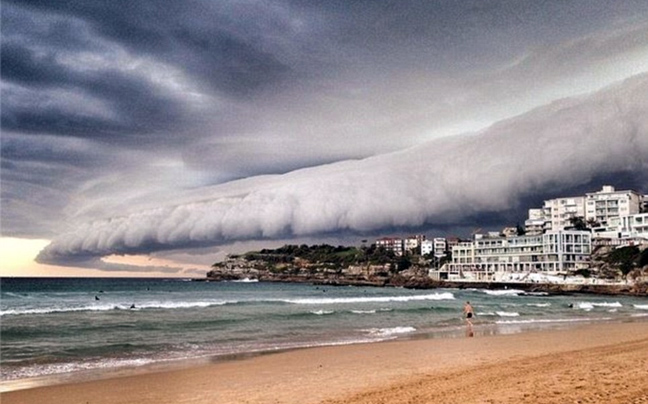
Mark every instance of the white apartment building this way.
pixel 609 203
pixel 600 206
pixel 535 224
pixel 427 247
pixel 440 247
pixel 558 212
pixel 625 227
pixel 391 244
pixel 413 242
pixel 554 252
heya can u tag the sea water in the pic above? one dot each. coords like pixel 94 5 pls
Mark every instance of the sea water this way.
pixel 64 326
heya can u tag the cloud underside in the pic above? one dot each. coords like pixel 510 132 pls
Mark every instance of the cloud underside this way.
pixel 446 182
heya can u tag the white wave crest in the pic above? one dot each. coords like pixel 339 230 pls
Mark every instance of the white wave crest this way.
pixel 112 306
pixel 246 280
pixel 503 292
pixel 507 313
pixel 555 320
pixel 322 312
pixel 539 304
pixel 363 311
pixel 384 332
pixel 591 305
pixel 641 306
pixel 377 299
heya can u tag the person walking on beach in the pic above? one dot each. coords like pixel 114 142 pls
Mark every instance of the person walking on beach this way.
pixel 469 313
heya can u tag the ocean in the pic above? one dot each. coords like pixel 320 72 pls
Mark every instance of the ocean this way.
pixel 67 326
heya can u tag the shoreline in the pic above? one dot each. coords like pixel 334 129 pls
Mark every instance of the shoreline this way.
pixel 351 373
pixel 163 365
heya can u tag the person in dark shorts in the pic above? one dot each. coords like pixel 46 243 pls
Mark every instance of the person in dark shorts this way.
pixel 469 313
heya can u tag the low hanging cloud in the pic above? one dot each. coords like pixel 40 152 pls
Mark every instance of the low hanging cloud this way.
pixel 550 150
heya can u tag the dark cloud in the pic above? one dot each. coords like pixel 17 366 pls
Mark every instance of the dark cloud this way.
pixel 114 108
pixel 138 108
pixel 201 37
pixel 448 183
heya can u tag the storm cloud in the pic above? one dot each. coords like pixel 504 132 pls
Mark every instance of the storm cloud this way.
pixel 442 182
pixel 135 127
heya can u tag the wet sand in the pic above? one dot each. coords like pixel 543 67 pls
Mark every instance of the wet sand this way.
pixel 603 363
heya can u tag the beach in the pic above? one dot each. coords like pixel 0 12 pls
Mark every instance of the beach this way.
pixel 594 363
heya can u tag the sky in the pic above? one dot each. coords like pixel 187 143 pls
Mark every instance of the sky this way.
pixel 153 138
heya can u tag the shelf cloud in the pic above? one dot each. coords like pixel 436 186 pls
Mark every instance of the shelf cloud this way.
pixel 444 182
pixel 160 127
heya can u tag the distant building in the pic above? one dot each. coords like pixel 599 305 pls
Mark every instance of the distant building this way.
pixel 624 227
pixel 535 224
pixel 558 212
pixel 440 247
pixel 609 203
pixel 555 252
pixel 392 244
pixel 427 247
pixel 509 231
pixel 413 242
pixel 451 242
pixel 599 207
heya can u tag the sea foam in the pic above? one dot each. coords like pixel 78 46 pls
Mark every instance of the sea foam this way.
pixel 507 314
pixel 503 292
pixel 112 306
pixel 378 299
pixel 322 312
pixel 554 320
pixel 591 305
pixel 385 332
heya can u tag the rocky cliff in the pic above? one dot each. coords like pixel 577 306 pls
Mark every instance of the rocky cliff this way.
pixel 415 277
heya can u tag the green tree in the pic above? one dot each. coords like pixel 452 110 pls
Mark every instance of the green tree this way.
pixel 521 231
pixel 592 223
pixel 578 223
pixel 625 259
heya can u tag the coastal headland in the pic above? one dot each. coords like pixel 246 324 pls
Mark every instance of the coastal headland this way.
pixel 343 266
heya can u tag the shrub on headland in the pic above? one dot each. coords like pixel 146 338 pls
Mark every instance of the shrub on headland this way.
pixel 624 261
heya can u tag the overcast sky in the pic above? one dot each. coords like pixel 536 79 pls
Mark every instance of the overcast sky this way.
pixel 183 130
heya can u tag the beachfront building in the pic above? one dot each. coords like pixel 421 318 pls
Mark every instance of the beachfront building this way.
pixel 609 203
pixel 624 227
pixel 489 257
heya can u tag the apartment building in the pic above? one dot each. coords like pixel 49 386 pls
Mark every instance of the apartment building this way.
pixel 440 247
pixel 535 224
pixel 413 242
pixel 391 244
pixel 558 212
pixel 599 207
pixel 554 252
pixel 608 203
pixel 630 227
pixel 427 247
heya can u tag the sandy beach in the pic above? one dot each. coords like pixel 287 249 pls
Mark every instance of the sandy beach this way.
pixel 603 363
